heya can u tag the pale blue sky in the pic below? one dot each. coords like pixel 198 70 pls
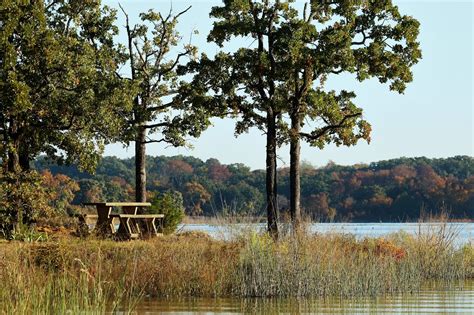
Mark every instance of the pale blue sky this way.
pixel 434 117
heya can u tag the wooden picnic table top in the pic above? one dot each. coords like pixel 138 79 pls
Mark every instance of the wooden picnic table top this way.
pixel 118 204
pixel 136 216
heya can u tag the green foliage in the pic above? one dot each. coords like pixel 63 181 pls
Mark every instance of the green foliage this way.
pixel 23 198
pixel 293 55
pixel 170 204
pixel 154 51
pixel 392 190
pixel 59 91
pixel 29 235
pixel 281 76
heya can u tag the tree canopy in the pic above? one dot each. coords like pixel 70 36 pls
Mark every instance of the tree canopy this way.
pixel 161 112
pixel 365 38
pixel 59 91
pixel 277 83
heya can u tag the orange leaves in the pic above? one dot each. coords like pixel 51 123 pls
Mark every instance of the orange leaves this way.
pixel 384 248
pixel 219 172
pixel 381 248
pixel 179 167
pixel 60 190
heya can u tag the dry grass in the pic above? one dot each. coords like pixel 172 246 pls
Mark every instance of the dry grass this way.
pixel 93 275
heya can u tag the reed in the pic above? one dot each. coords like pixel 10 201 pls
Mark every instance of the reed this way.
pixel 94 276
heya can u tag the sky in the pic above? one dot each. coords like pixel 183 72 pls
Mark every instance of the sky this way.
pixel 433 118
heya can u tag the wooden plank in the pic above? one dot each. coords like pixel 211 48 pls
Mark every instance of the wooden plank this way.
pixel 128 204
pixel 118 204
pixel 153 225
pixel 138 216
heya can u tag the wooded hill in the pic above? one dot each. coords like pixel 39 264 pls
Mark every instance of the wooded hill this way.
pixel 393 190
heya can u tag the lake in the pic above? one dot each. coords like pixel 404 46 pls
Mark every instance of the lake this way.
pixel 432 299
pixel 462 232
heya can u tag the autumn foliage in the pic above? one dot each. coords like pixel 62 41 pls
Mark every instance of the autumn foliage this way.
pixel 394 190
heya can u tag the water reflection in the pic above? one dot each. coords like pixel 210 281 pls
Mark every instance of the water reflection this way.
pixel 432 299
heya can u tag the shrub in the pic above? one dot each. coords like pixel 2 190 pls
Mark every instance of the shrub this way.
pixel 23 199
pixel 170 204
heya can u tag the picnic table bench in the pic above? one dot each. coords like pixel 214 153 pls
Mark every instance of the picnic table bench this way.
pixel 132 224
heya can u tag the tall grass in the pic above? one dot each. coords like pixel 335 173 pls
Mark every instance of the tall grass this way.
pixel 71 275
pixel 35 279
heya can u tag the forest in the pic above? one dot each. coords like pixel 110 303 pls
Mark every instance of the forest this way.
pixel 396 190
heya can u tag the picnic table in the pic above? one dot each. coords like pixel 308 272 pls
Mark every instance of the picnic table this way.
pixel 133 224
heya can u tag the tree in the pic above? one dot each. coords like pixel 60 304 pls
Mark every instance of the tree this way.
pixel 244 83
pixel 216 171
pixel 158 106
pixel 366 38
pixel 61 191
pixel 196 196
pixel 319 208
pixel 59 92
pixel 276 76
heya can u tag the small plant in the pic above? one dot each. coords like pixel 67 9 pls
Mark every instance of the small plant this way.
pixel 29 235
pixel 170 204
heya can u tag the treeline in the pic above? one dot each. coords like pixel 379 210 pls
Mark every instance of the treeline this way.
pixel 394 190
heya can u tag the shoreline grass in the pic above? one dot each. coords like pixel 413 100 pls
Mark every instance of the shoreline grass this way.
pixel 70 274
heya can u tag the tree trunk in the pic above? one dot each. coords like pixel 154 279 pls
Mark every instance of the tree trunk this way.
pixel 271 186
pixel 24 159
pixel 18 157
pixel 13 163
pixel 295 186
pixel 13 159
pixel 140 165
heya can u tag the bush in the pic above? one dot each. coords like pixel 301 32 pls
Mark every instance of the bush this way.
pixel 170 204
pixel 23 198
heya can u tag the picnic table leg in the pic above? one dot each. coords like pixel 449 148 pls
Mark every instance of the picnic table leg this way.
pixel 154 226
pixel 127 210
pixel 104 224
pixel 160 229
pixel 131 233
pixel 137 226
pixel 147 231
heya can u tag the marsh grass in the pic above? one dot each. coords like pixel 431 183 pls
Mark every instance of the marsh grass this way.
pixel 94 276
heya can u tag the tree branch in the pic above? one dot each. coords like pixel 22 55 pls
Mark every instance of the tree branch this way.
pixel 362 42
pixel 162 124
pixel 333 127
pixel 154 141
pixel 160 107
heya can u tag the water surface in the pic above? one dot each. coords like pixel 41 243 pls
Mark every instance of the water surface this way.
pixel 462 232
pixel 432 299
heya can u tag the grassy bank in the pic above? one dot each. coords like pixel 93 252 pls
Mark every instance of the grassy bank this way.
pixel 93 275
